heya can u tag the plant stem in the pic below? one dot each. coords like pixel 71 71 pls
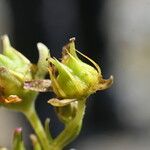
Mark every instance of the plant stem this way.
pixel 71 130
pixel 37 126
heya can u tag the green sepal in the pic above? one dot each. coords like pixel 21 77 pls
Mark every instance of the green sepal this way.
pixel 42 64
pixel 73 85
pixel 12 53
pixel 7 62
pixel 12 80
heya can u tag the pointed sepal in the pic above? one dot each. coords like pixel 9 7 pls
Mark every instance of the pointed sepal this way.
pixel 42 64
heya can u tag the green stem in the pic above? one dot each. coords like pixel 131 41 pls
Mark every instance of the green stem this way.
pixel 71 130
pixel 37 126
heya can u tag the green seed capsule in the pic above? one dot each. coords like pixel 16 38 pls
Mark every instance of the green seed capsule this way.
pixel 72 78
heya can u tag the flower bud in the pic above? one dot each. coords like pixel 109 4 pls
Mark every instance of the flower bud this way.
pixel 15 69
pixel 72 78
pixel 18 143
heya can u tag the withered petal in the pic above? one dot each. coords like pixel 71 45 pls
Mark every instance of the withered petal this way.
pixel 38 85
pixel 105 83
pixel 10 99
pixel 60 103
